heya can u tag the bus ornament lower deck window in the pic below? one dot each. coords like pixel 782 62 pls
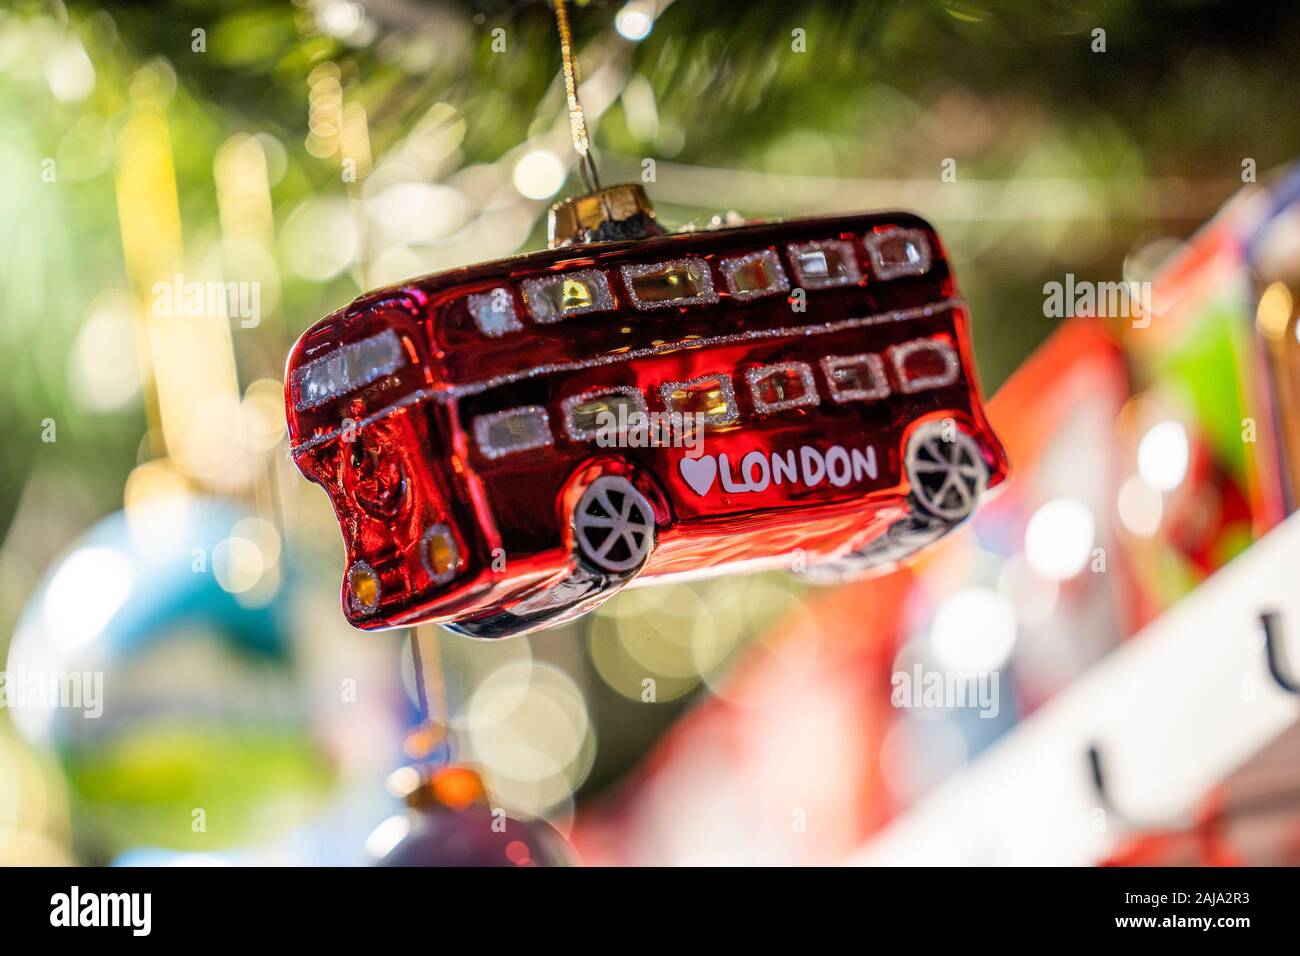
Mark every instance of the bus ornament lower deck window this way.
pixel 710 396
pixel 512 431
pixel 856 378
pixel 584 414
pixel 924 364
pixel 774 388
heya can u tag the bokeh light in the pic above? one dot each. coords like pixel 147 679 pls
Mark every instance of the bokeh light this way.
pixel 973 630
pixel 539 174
pixel 1163 455
pixel 635 20
pixel 1059 538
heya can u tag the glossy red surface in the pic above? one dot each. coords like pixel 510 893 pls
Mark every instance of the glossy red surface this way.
pixel 398 453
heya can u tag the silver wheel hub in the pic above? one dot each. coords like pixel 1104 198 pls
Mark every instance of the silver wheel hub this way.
pixel 614 525
pixel 946 471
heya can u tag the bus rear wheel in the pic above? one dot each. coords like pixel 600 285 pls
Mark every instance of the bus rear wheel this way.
pixel 947 474
pixel 946 471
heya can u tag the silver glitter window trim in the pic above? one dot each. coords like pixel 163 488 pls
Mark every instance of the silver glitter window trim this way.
pixel 899 354
pixel 918 257
pixel 542 310
pixel 771 264
pixel 723 383
pixel 589 434
pixel 444 532
pixel 832 365
pixel 805 255
pixel 451 393
pixel 698 270
pixel 809 396
pixel 347 369
pixel 494 312
pixel 534 433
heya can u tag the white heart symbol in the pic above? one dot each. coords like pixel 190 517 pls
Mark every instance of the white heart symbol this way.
pixel 699 473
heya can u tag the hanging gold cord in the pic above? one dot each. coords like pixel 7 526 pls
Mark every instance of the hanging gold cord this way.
pixel 577 123
pixel 431 692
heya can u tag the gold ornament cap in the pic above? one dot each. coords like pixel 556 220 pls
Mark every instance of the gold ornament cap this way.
pixel 606 215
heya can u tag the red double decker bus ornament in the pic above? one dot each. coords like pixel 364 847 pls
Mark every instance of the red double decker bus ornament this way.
pixel 508 445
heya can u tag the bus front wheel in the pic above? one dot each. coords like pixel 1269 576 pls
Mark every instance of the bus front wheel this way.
pixel 613 527
pixel 613 532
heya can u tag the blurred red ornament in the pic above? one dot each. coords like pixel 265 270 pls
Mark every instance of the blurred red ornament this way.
pixel 507 445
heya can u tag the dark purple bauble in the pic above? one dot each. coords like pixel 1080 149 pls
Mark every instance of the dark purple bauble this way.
pixel 476 836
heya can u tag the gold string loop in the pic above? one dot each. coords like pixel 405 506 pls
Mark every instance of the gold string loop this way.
pixel 577 122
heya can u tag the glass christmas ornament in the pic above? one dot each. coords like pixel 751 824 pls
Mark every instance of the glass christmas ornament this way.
pixel 484 434
pixel 181 681
pixel 507 445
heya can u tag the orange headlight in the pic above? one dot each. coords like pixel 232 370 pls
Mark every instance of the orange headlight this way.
pixel 363 588
pixel 440 554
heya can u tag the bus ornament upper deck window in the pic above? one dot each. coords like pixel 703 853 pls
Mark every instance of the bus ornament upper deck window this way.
pixel 925 363
pixel 824 265
pixel 711 396
pixel 856 378
pixel 582 413
pixel 347 369
pixel 898 252
pixel 552 298
pixel 659 285
pixel 777 387
pixel 494 312
pixel 514 430
pixel 754 276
